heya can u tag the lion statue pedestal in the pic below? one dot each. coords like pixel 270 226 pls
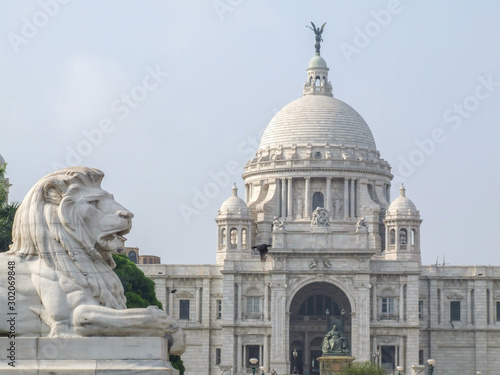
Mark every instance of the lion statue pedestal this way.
pixel 88 356
pixel 62 307
pixel 331 365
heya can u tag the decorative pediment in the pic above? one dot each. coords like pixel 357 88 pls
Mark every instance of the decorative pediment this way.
pixel 218 295
pixel 497 296
pixel 422 296
pixel 184 295
pixel 455 297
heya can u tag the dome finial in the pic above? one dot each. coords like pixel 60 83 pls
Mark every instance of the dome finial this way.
pixel 402 191
pixel 317 31
pixel 235 190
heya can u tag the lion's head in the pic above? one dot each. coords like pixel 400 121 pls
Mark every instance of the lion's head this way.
pixel 73 225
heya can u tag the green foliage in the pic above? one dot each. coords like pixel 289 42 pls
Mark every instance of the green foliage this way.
pixel 139 290
pixel 7 213
pixel 366 368
pixel 177 363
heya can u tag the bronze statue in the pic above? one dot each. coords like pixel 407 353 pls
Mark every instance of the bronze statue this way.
pixel 334 343
pixel 318 31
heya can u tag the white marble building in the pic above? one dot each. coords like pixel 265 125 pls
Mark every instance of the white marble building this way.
pixel 362 256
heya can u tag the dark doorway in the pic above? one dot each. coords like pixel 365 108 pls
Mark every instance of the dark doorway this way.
pixel 388 358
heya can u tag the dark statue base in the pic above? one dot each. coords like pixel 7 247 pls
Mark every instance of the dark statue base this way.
pixel 331 365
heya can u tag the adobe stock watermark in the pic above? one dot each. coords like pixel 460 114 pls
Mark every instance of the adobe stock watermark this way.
pixel 364 36
pixel 219 181
pixel 224 6
pixel 454 117
pixel 32 25
pixel 121 107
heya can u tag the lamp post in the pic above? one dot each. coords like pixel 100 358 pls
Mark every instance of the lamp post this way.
pixel 295 354
pixel 253 361
pixel 399 368
pixel 262 369
pixel 431 363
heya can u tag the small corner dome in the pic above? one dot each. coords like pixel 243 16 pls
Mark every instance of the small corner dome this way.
pixel 402 205
pixel 317 62
pixel 234 204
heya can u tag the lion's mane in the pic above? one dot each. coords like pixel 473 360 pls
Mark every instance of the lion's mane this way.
pixel 47 224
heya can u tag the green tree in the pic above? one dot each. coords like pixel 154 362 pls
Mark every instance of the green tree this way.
pixel 365 368
pixel 140 292
pixel 7 213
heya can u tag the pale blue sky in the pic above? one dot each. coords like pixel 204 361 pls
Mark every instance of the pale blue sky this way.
pixel 207 76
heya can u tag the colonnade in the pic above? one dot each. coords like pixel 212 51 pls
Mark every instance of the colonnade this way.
pixel 303 206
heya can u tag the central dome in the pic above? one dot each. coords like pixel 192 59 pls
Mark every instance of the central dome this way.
pixel 317 119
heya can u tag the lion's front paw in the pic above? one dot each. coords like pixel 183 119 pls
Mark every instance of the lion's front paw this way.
pixel 159 320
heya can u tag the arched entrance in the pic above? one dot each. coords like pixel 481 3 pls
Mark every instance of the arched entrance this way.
pixel 308 323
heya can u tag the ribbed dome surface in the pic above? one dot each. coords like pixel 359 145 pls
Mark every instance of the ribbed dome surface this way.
pixel 317 119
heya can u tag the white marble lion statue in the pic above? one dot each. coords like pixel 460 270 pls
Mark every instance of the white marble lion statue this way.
pixel 58 274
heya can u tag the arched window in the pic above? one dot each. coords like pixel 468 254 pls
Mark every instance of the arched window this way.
pixel 403 237
pixel 234 236
pixel 244 238
pixel 132 256
pixel 393 237
pixel 413 235
pixel 318 200
pixel 317 305
pixel 223 237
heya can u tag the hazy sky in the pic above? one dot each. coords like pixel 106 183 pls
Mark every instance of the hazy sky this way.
pixel 169 99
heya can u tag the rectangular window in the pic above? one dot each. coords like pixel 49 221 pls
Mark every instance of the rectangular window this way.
pixel 218 352
pixel 219 309
pixel 498 311
pixel 184 309
pixel 388 309
pixel 421 310
pixel 454 311
pixel 253 307
pixel 420 357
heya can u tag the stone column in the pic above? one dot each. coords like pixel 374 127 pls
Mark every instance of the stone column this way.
pixel 353 197
pixel 289 213
pixel 328 205
pixel 283 198
pixel 279 339
pixel 307 201
pixel 441 306
pixel 247 192
pixel 401 302
pixel 374 302
pixel 492 308
pixel 346 198
pixel 469 306
pixel 238 245
pixel 239 302
pixel 170 302
pixel 265 357
pixel 198 305
pixel 266 302
pixel 238 355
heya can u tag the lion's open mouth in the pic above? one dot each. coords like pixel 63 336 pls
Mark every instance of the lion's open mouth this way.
pixel 114 240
